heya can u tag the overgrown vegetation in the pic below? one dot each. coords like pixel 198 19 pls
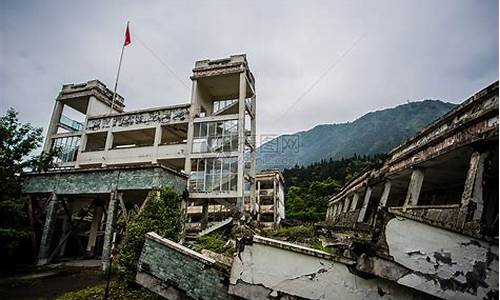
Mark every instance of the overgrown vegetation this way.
pixel 162 214
pixel 309 188
pixel 17 142
pixel 117 291
pixel 214 242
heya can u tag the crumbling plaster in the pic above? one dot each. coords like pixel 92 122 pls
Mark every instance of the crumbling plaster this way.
pixel 262 270
pixel 443 263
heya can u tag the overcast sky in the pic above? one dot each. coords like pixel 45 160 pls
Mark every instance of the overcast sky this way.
pixel 357 56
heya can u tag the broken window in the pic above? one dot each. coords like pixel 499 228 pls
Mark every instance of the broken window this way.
pixel 214 174
pixel 217 136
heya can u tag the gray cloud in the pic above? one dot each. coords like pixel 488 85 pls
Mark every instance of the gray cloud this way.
pixel 411 50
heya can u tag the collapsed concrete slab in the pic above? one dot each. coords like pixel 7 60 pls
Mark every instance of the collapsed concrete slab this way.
pixel 272 269
pixel 177 272
pixel 262 268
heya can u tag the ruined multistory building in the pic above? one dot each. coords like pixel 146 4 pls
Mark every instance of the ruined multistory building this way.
pixel 111 159
pixel 422 224
pixel 270 194
pixel 427 216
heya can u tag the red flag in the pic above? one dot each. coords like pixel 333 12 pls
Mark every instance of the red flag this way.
pixel 127 37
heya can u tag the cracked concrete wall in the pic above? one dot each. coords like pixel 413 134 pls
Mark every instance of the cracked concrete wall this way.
pixel 263 271
pixel 442 263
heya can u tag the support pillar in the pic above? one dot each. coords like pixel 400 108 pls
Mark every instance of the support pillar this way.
pixel 354 202
pixel 416 180
pixel 108 233
pixel 94 228
pixel 366 200
pixel 258 201
pixel 385 193
pixel 253 166
pixel 66 226
pixel 157 142
pixel 473 188
pixel 48 229
pixel 53 125
pixel 334 210
pixel 347 204
pixel 109 144
pixel 274 203
pixel 204 213
pixel 240 204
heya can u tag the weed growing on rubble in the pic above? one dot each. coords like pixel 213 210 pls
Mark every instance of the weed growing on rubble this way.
pixel 214 242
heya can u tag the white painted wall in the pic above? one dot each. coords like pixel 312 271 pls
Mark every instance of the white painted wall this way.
pixel 439 256
pixel 261 271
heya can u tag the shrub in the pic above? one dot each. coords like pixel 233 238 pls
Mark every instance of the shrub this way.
pixel 162 214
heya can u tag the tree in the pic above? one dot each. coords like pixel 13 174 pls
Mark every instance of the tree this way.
pixel 162 214
pixel 17 142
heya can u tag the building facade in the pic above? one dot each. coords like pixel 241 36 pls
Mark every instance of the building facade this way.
pixel 110 160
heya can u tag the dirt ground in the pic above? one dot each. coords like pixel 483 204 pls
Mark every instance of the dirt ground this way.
pixel 48 284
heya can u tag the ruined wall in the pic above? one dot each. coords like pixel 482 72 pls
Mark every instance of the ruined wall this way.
pixel 176 272
pixel 262 272
pixel 445 264
pixel 103 181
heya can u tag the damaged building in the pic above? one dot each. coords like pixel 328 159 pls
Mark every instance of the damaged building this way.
pixel 421 224
pixel 110 160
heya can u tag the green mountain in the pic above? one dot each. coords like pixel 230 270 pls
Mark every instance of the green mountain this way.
pixel 374 133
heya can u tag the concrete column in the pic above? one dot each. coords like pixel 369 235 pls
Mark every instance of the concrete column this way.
pixel 48 229
pixel 258 201
pixel 108 145
pixel 366 201
pixel 334 210
pixel 156 143
pixel 385 193
pixel 108 233
pixel 275 207
pixel 204 213
pixel 53 125
pixel 253 140
pixel 241 143
pixel 66 226
pixel 354 202
pixel 190 131
pixel 341 206
pixel 473 188
pixel 347 204
pixel 94 227
pixel 416 180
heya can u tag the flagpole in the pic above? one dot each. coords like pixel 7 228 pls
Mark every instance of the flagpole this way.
pixel 117 76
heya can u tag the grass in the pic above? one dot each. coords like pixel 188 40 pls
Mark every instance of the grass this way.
pixel 292 232
pixel 118 291
pixel 214 242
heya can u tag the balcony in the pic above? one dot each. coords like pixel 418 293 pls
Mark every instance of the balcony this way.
pixel 133 155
